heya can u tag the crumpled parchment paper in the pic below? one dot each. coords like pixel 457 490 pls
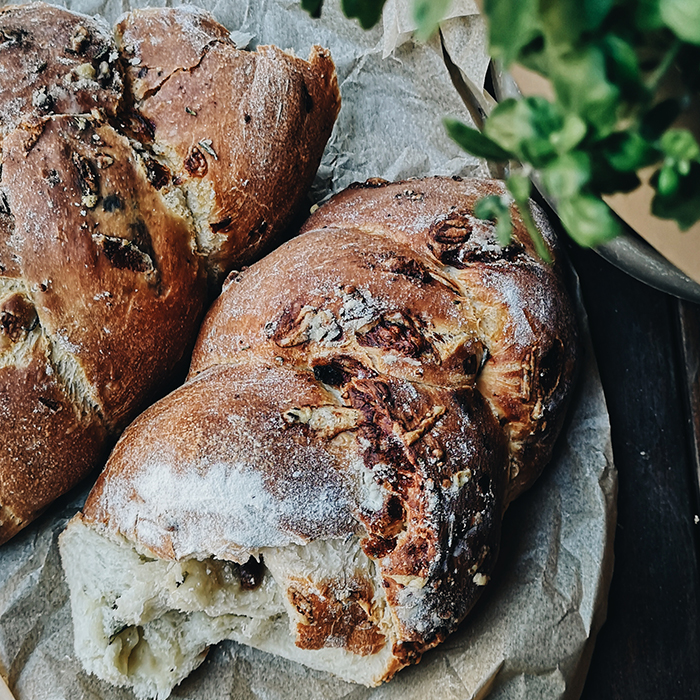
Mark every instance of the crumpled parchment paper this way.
pixel 531 634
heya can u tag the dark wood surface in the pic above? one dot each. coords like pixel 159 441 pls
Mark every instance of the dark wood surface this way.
pixel 648 349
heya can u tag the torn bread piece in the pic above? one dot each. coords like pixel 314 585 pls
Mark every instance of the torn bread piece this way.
pixel 241 131
pixel 332 475
pixel 331 539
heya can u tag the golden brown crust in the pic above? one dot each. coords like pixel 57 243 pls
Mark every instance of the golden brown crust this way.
pixel 346 292
pixel 54 62
pixel 243 131
pixel 336 612
pixel 525 319
pixel 110 269
pixel 159 42
pixel 201 433
pixel 47 445
pixel 9 262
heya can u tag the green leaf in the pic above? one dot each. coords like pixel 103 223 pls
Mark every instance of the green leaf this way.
pixel 490 208
pixel 564 21
pixel 647 15
pixel 567 175
pixel 428 14
pixel 606 180
pixel 596 11
pixel 581 84
pixel 683 17
pixel 367 12
pixel 495 208
pixel 512 26
pixel 588 220
pixel 524 127
pixel 572 132
pixel 682 205
pixel 668 181
pixel 519 186
pixel 628 151
pixel 680 145
pixel 313 7
pixel 623 67
pixel 475 142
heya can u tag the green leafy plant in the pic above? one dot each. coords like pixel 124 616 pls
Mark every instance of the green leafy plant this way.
pixel 427 13
pixel 609 63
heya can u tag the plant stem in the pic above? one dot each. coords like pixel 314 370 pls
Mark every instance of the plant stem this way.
pixel 535 235
pixel 661 70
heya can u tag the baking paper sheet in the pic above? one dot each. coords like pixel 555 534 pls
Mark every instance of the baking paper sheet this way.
pixel 530 636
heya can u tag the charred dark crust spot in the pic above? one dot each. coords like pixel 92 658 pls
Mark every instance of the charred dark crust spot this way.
pixel 408 652
pixel 470 364
pixel 550 367
pixel 4 204
pixel 79 40
pixel 222 225
pixel 378 547
pixel 412 269
pixel 105 77
pixel 141 128
pixel 141 238
pixel 252 574
pixel 43 101
pixel 259 230
pixel 510 253
pixel 306 100
pixel 17 317
pixel 158 175
pixel 134 254
pixel 341 370
pixel 397 334
pixel 195 163
pixel 14 37
pixel 331 374
pixel 112 202
pixel 247 118
pixel 124 255
pixel 51 404
pixel 87 179
pixel 372 183
pixel 384 525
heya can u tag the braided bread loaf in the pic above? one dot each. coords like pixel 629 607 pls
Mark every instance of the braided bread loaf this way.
pixel 136 171
pixel 329 483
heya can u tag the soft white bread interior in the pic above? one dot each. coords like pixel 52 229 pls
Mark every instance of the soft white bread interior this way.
pixel 146 623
